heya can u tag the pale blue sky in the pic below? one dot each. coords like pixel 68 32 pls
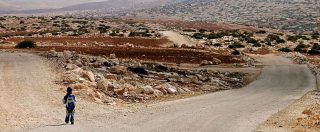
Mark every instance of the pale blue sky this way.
pixel 40 4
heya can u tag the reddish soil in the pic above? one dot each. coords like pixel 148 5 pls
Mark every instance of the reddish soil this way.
pixel 151 54
pixel 146 42
pixel 260 51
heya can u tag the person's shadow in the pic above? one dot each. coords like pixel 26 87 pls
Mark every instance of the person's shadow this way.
pixel 57 125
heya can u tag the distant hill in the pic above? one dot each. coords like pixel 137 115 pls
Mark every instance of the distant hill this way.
pixel 104 5
pixel 117 5
pixel 9 5
pixel 294 15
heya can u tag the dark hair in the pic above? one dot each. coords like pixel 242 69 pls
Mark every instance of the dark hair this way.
pixel 69 90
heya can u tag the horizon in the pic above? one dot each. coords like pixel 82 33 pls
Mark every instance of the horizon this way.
pixel 13 5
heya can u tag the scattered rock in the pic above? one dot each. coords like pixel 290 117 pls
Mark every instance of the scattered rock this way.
pixel 71 67
pixel 204 62
pixel 89 75
pixel 112 56
pixel 216 61
pixel 104 85
pixel 78 86
pixel 111 76
pixel 118 70
pixel 172 90
pixel 148 90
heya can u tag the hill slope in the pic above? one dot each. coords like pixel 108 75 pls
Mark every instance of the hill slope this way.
pixel 292 15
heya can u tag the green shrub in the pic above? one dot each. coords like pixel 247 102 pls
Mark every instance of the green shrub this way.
pixel 236 45
pixel 301 48
pixel 274 37
pixel 316 46
pixel 235 52
pixel 296 37
pixel 26 44
pixel 314 52
pixel 252 40
pixel 285 49
pixel 189 30
pixel 217 45
pixel 315 35
pixel 198 35
pixel 215 36
pixel 280 41
pixel 261 32
pixel 256 45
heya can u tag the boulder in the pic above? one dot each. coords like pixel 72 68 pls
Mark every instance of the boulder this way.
pixel 120 91
pixel 67 54
pixel 71 78
pixel 172 90
pixel 129 87
pixel 78 63
pixel 186 89
pixel 114 62
pixel 89 75
pixel 71 67
pixel 118 70
pixel 53 53
pixel 216 61
pixel 78 86
pixel 158 93
pixel 78 71
pixel 204 62
pixel 104 85
pixel 148 89
pixel 162 88
pixel 113 85
pixel 112 56
pixel 111 76
pixel 180 90
pixel 81 80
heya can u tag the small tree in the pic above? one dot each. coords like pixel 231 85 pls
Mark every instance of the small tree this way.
pixel 26 44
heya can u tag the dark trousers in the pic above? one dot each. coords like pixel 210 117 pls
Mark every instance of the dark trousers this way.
pixel 70 116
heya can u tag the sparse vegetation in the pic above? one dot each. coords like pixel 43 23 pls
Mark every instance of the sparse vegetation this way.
pixel 236 45
pixel 302 48
pixel 286 49
pixel 26 44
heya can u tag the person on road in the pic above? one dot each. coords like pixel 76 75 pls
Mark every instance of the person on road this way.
pixel 70 101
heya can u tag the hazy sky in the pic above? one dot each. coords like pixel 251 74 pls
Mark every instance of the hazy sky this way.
pixel 39 4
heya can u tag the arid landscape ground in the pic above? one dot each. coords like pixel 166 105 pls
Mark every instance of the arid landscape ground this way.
pixel 137 71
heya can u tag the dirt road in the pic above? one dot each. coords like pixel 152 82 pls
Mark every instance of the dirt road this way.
pixel 177 38
pixel 26 91
pixel 24 86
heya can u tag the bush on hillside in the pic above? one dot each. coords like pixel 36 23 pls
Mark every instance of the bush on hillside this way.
pixel 26 44
pixel 285 49
pixel 236 45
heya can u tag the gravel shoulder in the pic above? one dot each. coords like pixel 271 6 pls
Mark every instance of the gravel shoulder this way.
pixel 301 116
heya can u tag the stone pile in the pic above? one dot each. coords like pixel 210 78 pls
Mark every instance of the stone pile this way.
pixel 110 79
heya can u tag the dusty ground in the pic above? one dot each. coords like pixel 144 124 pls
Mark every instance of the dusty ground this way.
pixel 177 38
pixel 301 116
pixel 236 110
pixel 29 98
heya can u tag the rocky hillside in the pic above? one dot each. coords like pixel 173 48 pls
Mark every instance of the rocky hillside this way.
pixel 296 15
pixel 116 5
